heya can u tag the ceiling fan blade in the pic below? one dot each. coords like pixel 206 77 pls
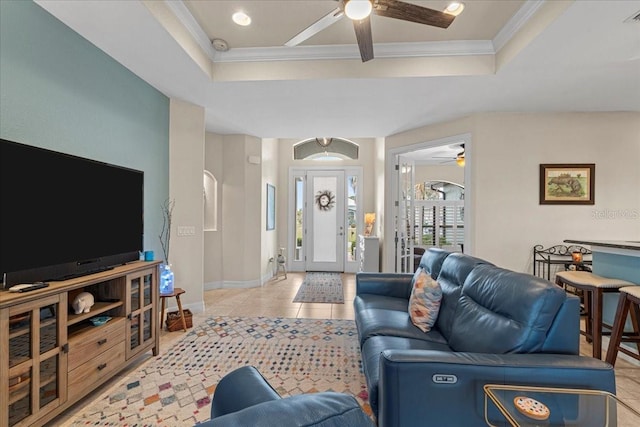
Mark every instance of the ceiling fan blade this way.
pixel 313 29
pixel 411 12
pixel 364 37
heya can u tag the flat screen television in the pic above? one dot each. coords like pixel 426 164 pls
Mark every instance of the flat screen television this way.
pixel 63 216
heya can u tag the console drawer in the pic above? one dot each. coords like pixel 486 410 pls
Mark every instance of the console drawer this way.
pixel 88 344
pixel 87 375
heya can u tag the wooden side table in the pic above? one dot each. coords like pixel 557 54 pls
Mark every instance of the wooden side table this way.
pixel 176 293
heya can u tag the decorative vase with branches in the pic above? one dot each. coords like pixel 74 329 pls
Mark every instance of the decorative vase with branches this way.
pixel 165 233
pixel 166 275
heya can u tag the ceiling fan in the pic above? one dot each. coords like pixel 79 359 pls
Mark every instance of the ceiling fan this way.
pixel 459 158
pixel 359 11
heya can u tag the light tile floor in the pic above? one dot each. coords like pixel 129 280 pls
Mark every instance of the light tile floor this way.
pixel 274 299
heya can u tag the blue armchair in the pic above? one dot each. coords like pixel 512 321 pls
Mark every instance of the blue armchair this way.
pixel 244 398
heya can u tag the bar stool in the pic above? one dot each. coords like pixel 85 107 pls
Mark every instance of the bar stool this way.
pixel 176 293
pixel 593 288
pixel 629 303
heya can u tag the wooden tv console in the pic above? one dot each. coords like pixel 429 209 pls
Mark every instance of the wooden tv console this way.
pixel 50 357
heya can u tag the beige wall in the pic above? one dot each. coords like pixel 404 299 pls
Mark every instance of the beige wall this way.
pixel 186 164
pixel 213 274
pixel 241 202
pixel 270 242
pixel 507 149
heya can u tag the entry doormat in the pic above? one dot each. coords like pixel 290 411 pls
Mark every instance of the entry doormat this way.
pixel 175 389
pixel 321 287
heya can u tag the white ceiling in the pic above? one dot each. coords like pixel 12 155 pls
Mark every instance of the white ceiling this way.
pixel 275 22
pixel 585 59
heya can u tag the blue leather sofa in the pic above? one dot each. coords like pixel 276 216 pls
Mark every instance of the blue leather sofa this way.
pixel 494 326
pixel 243 398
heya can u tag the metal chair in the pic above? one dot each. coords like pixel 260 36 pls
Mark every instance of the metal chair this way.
pixel 559 258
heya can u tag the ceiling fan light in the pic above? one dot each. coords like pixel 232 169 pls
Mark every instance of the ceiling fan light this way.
pixel 241 18
pixel 460 161
pixel 455 8
pixel 324 142
pixel 358 9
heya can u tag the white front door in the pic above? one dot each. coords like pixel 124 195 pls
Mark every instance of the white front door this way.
pixel 326 234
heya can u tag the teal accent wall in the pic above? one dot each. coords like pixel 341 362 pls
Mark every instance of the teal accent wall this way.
pixel 58 91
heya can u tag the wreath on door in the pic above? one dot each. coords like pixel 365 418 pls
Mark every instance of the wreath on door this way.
pixel 325 200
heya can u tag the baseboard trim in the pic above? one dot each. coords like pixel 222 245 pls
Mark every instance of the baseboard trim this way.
pixel 194 307
pixel 232 284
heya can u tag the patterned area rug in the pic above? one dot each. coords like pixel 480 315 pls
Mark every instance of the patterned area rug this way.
pixel 321 287
pixel 295 355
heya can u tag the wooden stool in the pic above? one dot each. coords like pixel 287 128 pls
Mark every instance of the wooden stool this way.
pixel 629 303
pixel 593 287
pixel 176 293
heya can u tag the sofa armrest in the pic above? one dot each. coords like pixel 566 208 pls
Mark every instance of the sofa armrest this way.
pixel 387 284
pixel 327 409
pixel 446 388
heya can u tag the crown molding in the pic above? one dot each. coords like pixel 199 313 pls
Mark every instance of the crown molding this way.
pixel 329 52
pixel 185 17
pixel 516 22
pixel 382 50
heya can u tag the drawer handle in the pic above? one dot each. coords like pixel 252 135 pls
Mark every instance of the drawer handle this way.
pixel 102 366
pixel 102 341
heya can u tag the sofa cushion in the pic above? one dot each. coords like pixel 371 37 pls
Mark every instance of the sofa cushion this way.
pixel 424 302
pixel 371 358
pixel 372 322
pixel 432 260
pixel 455 269
pixel 501 311
pixel 368 301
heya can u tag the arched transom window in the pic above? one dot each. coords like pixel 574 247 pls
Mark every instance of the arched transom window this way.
pixel 319 148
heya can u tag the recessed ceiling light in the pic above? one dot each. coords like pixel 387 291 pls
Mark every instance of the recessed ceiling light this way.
pixel 241 18
pixel 455 8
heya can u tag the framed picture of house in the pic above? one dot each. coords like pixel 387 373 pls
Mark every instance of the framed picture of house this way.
pixel 271 207
pixel 567 184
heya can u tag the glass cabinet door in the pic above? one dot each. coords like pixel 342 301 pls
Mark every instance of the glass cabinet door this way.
pixel 35 358
pixel 142 291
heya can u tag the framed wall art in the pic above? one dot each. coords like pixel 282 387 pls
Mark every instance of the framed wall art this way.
pixel 271 207
pixel 567 184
